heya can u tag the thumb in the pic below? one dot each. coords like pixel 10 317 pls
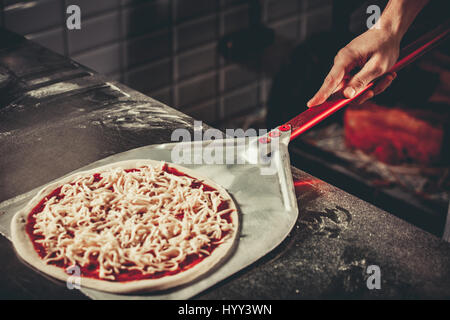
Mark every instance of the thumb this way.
pixel 359 81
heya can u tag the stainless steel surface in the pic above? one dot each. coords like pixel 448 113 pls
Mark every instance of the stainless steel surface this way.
pixel 267 205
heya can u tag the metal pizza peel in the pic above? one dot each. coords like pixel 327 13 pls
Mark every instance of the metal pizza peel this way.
pixel 266 202
pixel 263 190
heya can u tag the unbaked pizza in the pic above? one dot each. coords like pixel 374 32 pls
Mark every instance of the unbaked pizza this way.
pixel 137 225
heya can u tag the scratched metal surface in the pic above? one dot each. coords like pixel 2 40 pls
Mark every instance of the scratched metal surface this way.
pixel 335 239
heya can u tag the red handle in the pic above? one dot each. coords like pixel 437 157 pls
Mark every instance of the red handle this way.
pixel 314 115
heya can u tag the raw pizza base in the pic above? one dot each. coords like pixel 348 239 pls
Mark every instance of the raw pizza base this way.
pixel 26 251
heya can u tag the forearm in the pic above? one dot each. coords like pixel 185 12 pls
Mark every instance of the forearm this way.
pixel 399 15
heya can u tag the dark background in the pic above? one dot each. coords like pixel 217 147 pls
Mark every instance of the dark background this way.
pixel 168 49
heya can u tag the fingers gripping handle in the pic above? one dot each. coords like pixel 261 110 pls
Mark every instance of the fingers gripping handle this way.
pixel 314 115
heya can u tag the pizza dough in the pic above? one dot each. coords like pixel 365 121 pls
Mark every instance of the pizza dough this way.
pixel 180 235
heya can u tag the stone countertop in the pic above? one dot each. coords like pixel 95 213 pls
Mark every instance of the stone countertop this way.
pixel 57 116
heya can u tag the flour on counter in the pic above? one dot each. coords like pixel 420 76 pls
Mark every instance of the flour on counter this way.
pixel 140 117
pixel 117 89
pixel 53 89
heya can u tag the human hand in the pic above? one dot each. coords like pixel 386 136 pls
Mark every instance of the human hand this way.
pixel 374 52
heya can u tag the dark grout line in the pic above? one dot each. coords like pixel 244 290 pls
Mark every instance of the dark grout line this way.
pixel 121 46
pixel 173 54
pixel 2 14
pixel 220 78
pixel 64 27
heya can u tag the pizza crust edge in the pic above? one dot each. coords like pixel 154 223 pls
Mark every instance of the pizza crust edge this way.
pixel 25 249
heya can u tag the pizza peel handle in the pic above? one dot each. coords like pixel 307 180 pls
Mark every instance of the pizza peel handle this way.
pixel 314 115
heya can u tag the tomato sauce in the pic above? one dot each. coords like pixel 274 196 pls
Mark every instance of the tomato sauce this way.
pixel 91 270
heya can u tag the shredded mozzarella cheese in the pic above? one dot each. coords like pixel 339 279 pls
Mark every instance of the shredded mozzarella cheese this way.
pixel 147 220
